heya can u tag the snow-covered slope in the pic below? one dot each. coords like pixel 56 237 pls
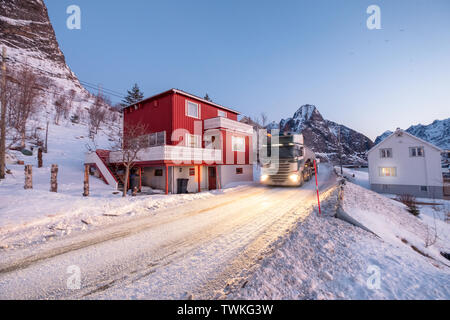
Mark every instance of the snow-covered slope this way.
pixel 437 133
pixel 327 258
pixel 30 41
pixel 322 135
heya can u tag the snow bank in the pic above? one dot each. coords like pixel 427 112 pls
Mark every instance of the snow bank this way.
pixel 391 221
pixel 327 258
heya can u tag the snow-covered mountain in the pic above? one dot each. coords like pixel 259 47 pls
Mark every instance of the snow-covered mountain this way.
pixel 322 135
pixel 28 35
pixel 383 136
pixel 437 133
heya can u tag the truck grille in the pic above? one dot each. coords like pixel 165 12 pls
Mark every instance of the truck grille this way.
pixel 284 169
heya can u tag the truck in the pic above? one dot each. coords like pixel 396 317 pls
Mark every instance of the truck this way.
pixel 293 165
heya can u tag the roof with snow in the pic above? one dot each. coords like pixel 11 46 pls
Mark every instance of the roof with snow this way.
pixel 409 135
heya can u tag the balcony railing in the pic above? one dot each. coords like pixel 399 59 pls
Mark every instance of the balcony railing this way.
pixel 180 154
pixel 220 122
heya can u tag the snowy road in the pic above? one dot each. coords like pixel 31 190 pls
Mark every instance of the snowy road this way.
pixel 193 249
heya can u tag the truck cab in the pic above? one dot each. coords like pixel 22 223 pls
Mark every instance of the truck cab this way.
pixel 288 163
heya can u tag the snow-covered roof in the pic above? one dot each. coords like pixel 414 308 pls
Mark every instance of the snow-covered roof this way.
pixel 405 133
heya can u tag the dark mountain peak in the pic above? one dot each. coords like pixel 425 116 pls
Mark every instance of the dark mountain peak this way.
pixel 322 135
pixel 383 136
pixel 306 113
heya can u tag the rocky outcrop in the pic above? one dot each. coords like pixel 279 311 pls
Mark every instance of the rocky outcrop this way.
pixel 322 136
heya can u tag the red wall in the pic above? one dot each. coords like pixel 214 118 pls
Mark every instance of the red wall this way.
pixel 156 113
pixel 167 112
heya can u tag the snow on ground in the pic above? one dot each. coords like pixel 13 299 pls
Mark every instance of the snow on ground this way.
pixel 327 258
pixel 27 216
pixel 432 212
pixel 360 176
pixel 391 221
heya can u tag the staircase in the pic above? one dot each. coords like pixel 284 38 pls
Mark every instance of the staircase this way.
pixel 104 156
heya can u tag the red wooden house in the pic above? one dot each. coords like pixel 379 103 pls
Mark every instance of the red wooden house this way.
pixel 188 138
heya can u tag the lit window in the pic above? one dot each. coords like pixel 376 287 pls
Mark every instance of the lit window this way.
pixel 221 113
pixel 386 153
pixel 416 152
pixel 192 109
pixel 238 144
pixel 388 172
pixel 193 141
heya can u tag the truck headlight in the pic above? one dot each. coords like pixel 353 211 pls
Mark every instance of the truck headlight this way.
pixel 264 177
pixel 294 177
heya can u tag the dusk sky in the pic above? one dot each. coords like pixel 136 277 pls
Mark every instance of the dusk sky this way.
pixel 272 56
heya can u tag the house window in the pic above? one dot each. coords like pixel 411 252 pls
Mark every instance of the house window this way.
pixel 193 141
pixel 192 171
pixel 192 110
pixel 388 172
pixel 221 113
pixel 424 188
pixel 157 139
pixel 239 171
pixel 416 152
pixel 158 173
pixel 386 153
pixel 238 144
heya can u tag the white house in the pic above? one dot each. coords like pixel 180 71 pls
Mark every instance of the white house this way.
pixel 405 164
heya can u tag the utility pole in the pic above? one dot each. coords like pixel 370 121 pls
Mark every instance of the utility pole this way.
pixel 340 151
pixel 3 118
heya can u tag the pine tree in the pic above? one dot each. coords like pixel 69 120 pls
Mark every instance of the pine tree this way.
pixel 134 95
pixel 207 98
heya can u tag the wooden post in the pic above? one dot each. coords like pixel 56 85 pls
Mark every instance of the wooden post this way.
pixel 28 177
pixel 140 179
pixel 86 181
pixel 53 178
pixel 3 118
pixel 46 138
pixel 39 157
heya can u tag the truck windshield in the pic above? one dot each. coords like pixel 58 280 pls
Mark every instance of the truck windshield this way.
pixel 286 151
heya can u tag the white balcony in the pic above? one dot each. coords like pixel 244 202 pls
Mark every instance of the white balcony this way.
pixel 220 122
pixel 183 155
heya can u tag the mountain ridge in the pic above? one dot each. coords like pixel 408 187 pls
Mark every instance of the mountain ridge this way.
pixel 436 133
pixel 322 136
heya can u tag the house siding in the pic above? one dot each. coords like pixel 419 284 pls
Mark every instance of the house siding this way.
pixel 411 172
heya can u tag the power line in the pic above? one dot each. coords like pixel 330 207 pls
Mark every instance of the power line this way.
pixel 84 83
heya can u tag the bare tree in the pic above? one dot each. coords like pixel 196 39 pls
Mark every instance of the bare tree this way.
pixel 131 141
pixel 25 88
pixel 97 114
pixel 263 117
pixel 61 108
pixel 70 99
